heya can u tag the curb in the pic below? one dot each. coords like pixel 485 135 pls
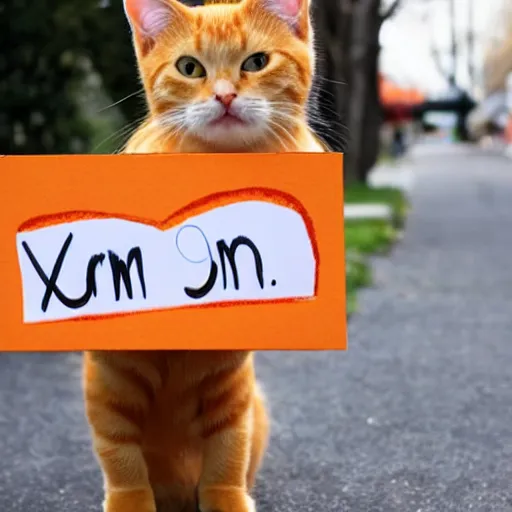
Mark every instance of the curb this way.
pixel 399 176
pixel 368 211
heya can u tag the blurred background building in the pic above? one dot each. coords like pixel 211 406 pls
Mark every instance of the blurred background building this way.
pixel 493 114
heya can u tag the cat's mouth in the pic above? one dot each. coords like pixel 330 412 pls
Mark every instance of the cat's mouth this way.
pixel 227 119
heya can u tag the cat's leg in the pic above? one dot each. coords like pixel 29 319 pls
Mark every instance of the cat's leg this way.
pixel 226 457
pixel 174 476
pixel 171 499
pixel 117 399
pixel 260 435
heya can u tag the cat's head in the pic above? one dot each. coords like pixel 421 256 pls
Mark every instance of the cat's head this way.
pixel 228 72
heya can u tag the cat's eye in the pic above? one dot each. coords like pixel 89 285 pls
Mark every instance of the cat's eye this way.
pixel 255 62
pixel 190 67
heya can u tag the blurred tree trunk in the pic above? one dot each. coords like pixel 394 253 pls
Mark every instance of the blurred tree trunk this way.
pixel 373 117
pixel 348 101
pixel 372 122
pixel 365 116
pixel 359 63
pixel 332 86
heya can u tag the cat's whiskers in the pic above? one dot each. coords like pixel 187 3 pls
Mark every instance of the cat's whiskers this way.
pixel 172 118
pixel 273 113
pixel 172 121
pixel 285 142
pixel 279 126
pixel 118 102
pixel 276 136
pixel 181 138
pixel 325 128
pixel 175 127
pixel 125 131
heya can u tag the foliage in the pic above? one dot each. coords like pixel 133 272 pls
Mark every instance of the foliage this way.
pixel 40 72
pixel 51 46
pixel 114 60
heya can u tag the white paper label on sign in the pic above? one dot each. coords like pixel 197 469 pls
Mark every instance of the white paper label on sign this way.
pixel 246 251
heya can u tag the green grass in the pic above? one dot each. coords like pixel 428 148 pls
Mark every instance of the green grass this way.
pixel 360 193
pixel 366 237
pixel 369 236
pixel 358 274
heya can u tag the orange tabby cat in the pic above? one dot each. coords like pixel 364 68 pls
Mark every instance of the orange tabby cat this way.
pixel 174 428
pixel 231 76
pixel 174 431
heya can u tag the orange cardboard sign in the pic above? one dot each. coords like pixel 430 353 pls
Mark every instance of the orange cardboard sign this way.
pixel 172 252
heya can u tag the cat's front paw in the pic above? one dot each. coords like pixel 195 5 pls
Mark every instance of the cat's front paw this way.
pixel 250 504
pixel 225 499
pixel 136 500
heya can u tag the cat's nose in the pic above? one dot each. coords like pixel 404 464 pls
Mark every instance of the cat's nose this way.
pixel 225 99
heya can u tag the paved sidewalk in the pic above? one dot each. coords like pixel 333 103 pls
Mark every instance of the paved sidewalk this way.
pixel 415 417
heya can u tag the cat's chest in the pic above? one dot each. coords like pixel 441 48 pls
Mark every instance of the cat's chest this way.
pixel 190 378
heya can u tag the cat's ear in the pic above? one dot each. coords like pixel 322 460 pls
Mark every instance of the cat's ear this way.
pixel 294 12
pixel 149 18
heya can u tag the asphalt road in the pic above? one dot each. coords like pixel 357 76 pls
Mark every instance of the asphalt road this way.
pixel 415 417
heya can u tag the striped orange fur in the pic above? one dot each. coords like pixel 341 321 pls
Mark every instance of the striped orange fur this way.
pixel 171 427
pixel 177 431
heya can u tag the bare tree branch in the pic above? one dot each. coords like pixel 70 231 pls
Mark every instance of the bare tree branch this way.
pixel 434 51
pixel 436 57
pixel 391 10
